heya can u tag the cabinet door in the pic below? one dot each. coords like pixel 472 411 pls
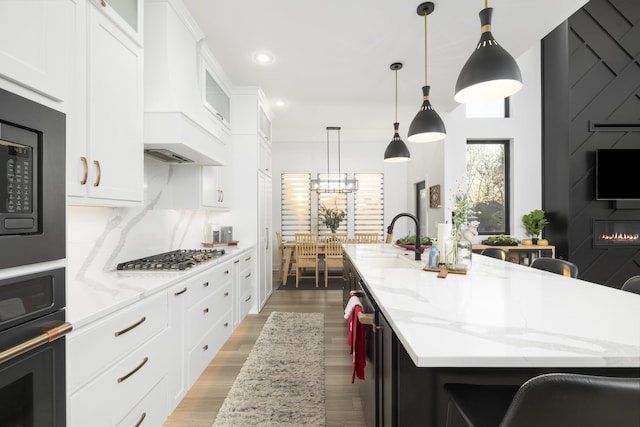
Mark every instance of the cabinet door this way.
pixel 114 112
pixel 385 361
pixel 177 299
pixel 35 40
pixel 214 187
pixel 265 275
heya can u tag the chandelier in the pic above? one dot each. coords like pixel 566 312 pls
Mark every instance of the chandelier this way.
pixel 333 182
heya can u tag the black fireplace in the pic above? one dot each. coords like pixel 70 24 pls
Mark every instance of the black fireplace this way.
pixel 616 233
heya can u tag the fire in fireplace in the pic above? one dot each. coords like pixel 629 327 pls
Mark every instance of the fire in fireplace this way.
pixel 616 232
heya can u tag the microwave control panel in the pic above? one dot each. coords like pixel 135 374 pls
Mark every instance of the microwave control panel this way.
pixel 18 214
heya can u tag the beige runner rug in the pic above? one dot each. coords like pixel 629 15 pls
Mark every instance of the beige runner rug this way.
pixel 282 381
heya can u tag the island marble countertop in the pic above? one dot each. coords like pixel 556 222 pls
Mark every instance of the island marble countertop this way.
pixel 96 294
pixel 500 314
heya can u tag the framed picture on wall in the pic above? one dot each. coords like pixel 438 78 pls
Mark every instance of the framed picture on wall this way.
pixel 434 197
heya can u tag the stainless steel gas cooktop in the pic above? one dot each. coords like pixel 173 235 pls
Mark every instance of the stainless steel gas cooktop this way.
pixel 180 259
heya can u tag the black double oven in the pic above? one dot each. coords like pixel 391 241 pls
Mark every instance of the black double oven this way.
pixel 32 264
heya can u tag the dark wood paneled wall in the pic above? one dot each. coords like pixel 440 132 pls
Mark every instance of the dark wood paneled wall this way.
pixel 590 72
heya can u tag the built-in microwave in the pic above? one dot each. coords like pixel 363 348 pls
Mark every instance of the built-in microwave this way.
pixel 32 182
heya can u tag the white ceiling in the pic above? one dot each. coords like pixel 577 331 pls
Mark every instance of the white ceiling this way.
pixel 332 57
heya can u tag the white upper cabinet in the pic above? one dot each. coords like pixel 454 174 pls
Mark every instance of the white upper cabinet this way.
pixel 215 98
pixel 127 14
pixel 36 39
pixel 105 149
pixel 264 125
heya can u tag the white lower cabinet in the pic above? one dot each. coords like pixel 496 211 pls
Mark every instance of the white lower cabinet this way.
pixel 115 363
pixel 134 366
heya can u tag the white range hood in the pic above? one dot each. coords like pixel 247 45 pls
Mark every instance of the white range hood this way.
pixel 176 128
pixel 173 137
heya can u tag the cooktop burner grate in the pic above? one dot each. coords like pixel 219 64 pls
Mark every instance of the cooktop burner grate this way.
pixel 180 259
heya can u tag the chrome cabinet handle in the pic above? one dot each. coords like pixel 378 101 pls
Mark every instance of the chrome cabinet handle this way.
pixel 127 329
pixel 99 169
pixel 136 369
pixel 85 167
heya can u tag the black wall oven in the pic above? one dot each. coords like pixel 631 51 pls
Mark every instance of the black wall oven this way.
pixel 32 264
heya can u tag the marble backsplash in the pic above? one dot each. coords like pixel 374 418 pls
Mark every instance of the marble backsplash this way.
pixel 98 238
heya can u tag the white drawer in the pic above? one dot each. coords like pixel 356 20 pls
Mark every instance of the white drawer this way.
pixel 246 261
pixel 205 313
pixel 206 349
pixel 91 349
pixel 112 395
pixel 246 301
pixel 151 411
pixel 209 281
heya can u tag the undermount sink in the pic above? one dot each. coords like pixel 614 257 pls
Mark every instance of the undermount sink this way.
pixel 392 261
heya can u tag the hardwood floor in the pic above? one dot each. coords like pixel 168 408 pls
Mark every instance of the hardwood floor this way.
pixel 343 407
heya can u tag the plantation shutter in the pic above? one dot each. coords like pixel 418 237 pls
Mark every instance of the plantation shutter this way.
pixel 295 204
pixel 369 204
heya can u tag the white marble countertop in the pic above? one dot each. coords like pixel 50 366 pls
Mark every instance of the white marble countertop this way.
pixel 96 294
pixel 500 314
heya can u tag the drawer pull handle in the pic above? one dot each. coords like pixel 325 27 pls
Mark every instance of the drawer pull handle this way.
pixel 180 292
pixel 206 310
pixel 85 168
pixel 205 347
pixel 136 369
pixel 236 261
pixel 226 272
pixel 142 417
pixel 247 276
pixel 226 324
pixel 205 284
pixel 248 298
pixel 135 325
pixel 226 294
pixel 248 259
pixel 218 115
pixel 99 169
pixel 103 3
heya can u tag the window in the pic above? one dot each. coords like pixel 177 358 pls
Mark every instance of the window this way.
pixel 488 110
pixel 369 203
pixel 488 184
pixel 364 207
pixel 295 205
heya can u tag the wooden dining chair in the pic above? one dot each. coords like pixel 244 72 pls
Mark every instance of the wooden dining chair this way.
pixel 282 275
pixel 367 238
pixel 306 255
pixel 333 255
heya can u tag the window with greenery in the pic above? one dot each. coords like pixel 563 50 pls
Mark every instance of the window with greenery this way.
pixel 488 184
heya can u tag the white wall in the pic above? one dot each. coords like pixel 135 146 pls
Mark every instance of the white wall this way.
pixel 98 238
pixel 356 157
pixel 444 162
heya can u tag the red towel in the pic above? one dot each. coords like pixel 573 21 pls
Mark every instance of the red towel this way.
pixel 356 341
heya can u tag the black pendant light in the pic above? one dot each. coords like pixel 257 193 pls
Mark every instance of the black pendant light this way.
pixel 397 150
pixel 490 73
pixel 427 125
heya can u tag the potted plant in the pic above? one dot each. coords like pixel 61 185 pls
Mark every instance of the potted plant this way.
pixel 331 217
pixel 533 223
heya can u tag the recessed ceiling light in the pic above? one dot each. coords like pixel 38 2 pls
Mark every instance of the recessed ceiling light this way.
pixel 263 58
pixel 280 103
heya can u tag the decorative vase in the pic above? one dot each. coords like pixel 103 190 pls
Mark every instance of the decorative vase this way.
pixel 458 251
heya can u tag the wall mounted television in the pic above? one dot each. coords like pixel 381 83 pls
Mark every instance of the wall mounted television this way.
pixel 618 174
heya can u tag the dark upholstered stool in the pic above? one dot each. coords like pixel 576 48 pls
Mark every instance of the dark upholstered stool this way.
pixel 551 400
pixel 632 285
pixel 495 253
pixel 555 265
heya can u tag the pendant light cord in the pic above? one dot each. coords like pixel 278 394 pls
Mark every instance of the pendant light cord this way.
pixel 396 96
pixel 425 47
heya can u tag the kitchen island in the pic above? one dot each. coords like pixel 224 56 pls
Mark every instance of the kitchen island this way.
pixel 502 323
